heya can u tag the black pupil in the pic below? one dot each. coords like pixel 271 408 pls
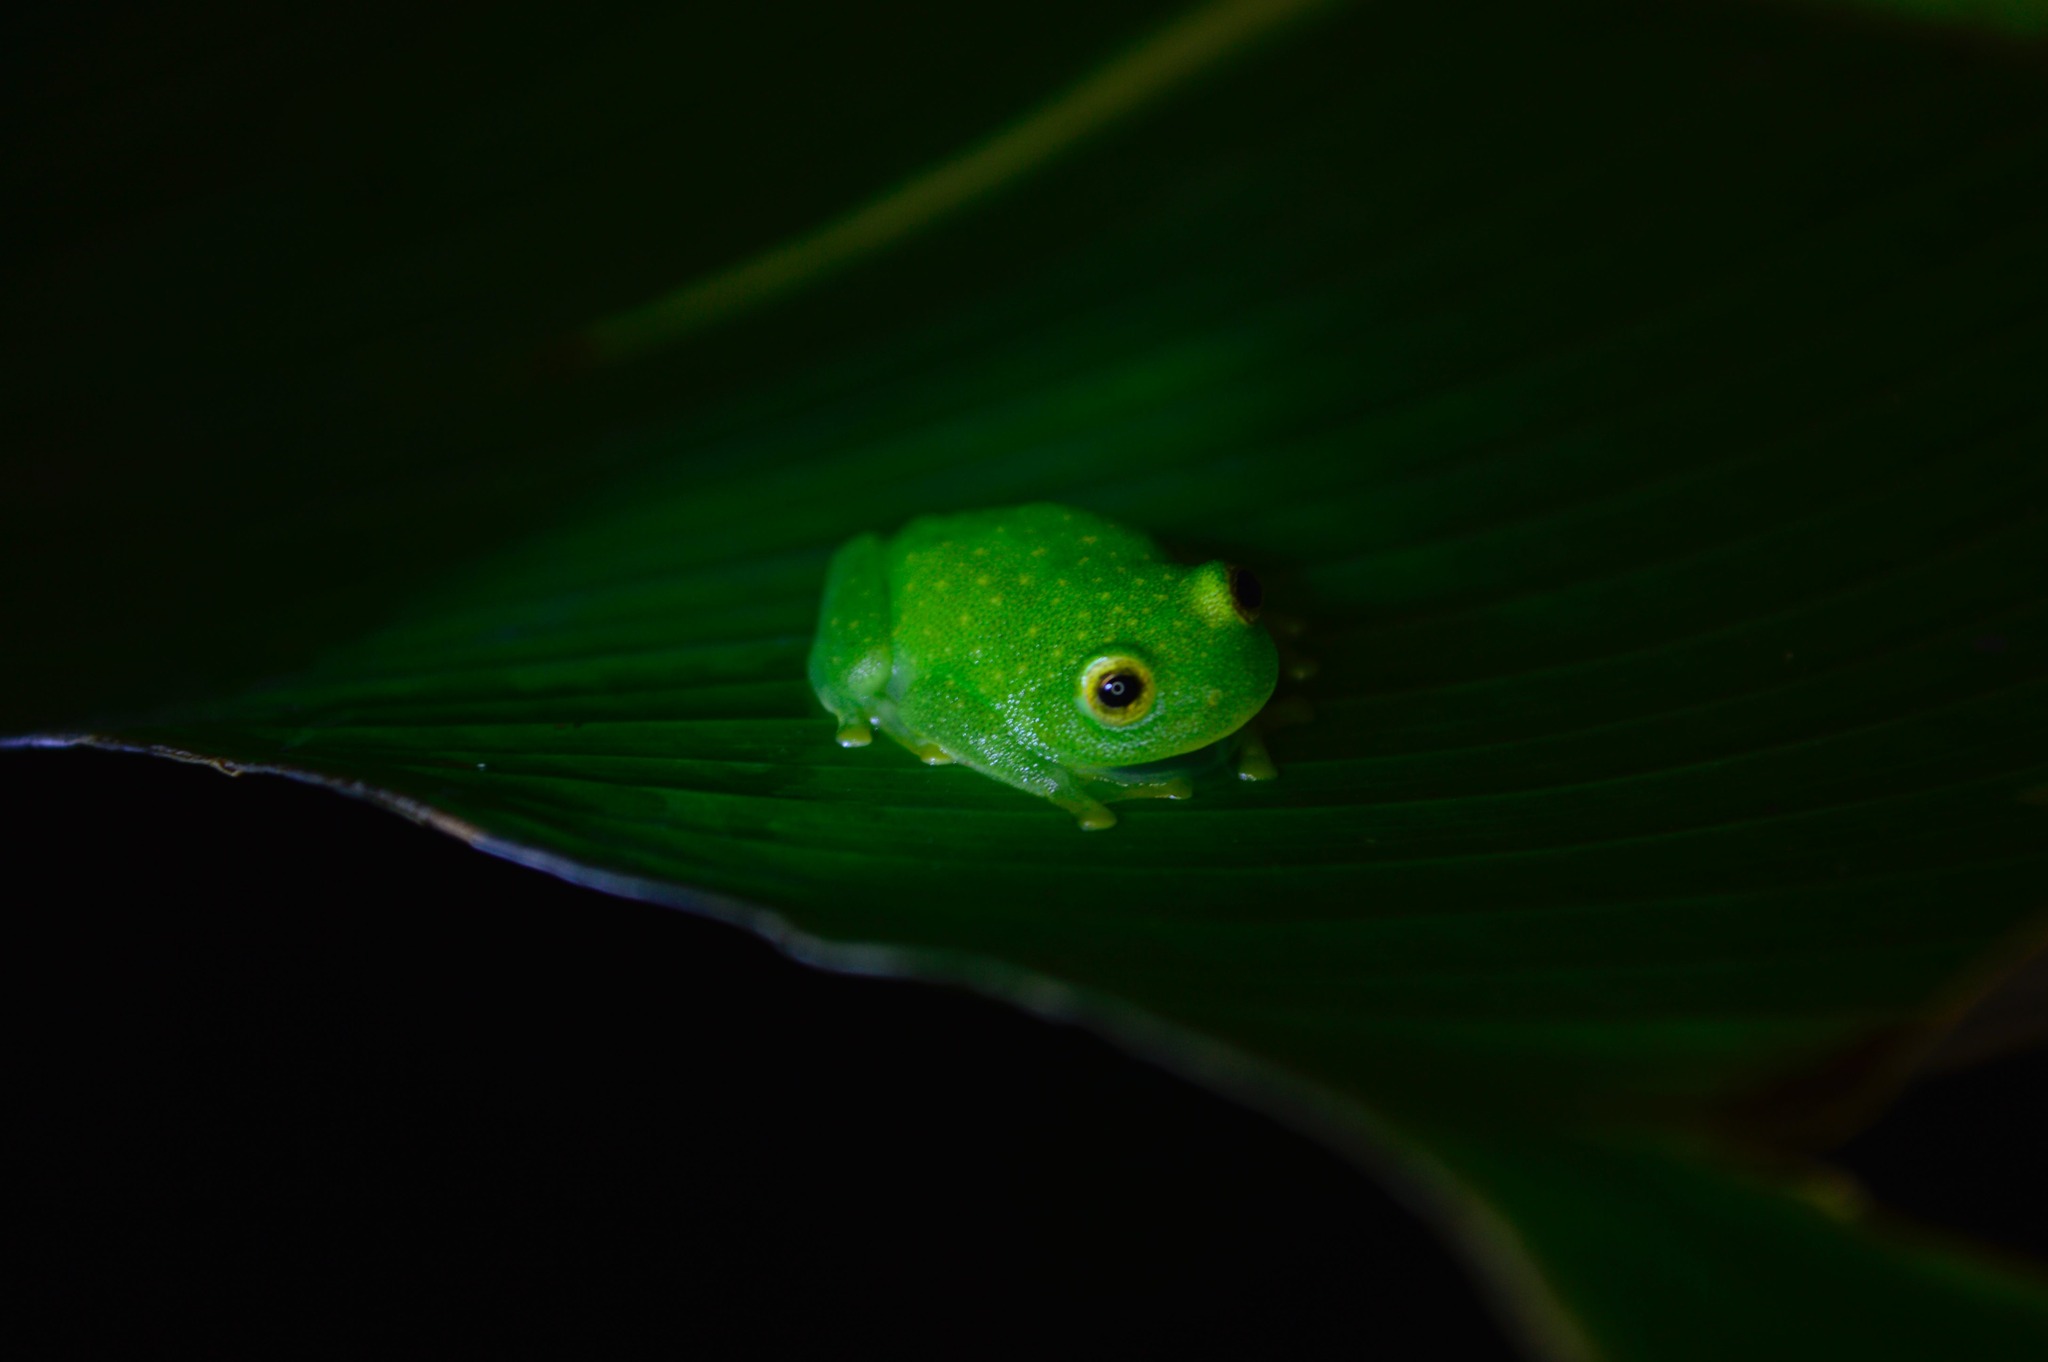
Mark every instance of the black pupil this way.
pixel 1119 690
pixel 1245 589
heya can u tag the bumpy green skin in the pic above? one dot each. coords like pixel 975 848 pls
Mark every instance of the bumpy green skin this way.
pixel 972 638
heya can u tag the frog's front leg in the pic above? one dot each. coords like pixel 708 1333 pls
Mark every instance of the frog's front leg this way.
pixel 1126 784
pixel 1015 764
pixel 919 746
pixel 851 658
pixel 1251 759
pixel 1069 793
pixel 951 725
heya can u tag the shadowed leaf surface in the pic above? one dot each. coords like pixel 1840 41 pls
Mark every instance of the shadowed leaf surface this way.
pixel 1642 405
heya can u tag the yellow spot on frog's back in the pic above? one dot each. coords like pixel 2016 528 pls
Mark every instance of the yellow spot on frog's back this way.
pixel 941 584
pixel 1032 631
pixel 1023 667
pixel 966 621
pixel 1060 580
pixel 1087 538
pixel 1215 698
pixel 1038 552
pixel 995 600
pixel 981 553
pixel 1103 597
pixel 982 580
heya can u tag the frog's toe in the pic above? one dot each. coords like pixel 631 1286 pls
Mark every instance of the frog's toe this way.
pixel 1257 766
pixel 856 734
pixel 1254 762
pixel 1095 819
pixel 924 749
pixel 1092 814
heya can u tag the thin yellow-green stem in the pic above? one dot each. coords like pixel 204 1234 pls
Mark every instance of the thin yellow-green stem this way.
pixel 1169 58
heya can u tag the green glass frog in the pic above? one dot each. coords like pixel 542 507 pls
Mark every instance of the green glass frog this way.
pixel 1047 647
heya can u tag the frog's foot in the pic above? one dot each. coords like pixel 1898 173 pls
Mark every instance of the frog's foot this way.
pixel 924 749
pixel 856 733
pixel 1092 815
pixel 1254 762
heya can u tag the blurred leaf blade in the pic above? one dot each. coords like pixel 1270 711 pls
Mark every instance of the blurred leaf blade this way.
pixel 1688 1260
pixel 1657 461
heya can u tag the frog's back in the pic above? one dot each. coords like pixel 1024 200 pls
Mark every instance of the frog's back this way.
pixel 1050 529
pixel 1003 585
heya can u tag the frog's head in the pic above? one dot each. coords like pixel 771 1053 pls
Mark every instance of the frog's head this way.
pixel 1180 675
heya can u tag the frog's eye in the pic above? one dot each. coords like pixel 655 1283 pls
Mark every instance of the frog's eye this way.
pixel 1117 690
pixel 1223 595
pixel 1245 593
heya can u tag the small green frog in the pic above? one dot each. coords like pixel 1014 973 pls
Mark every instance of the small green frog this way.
pixel 1044 646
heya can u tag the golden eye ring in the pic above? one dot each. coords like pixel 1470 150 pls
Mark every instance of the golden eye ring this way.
pixel 1117 690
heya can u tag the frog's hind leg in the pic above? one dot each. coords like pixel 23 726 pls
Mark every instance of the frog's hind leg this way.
pixel 851 658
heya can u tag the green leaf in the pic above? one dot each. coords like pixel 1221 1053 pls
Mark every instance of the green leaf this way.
pixel 1642 404
pixel 1663 1254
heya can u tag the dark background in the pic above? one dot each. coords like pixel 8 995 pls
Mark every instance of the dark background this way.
pixel 291 1077
pixel 300 1078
